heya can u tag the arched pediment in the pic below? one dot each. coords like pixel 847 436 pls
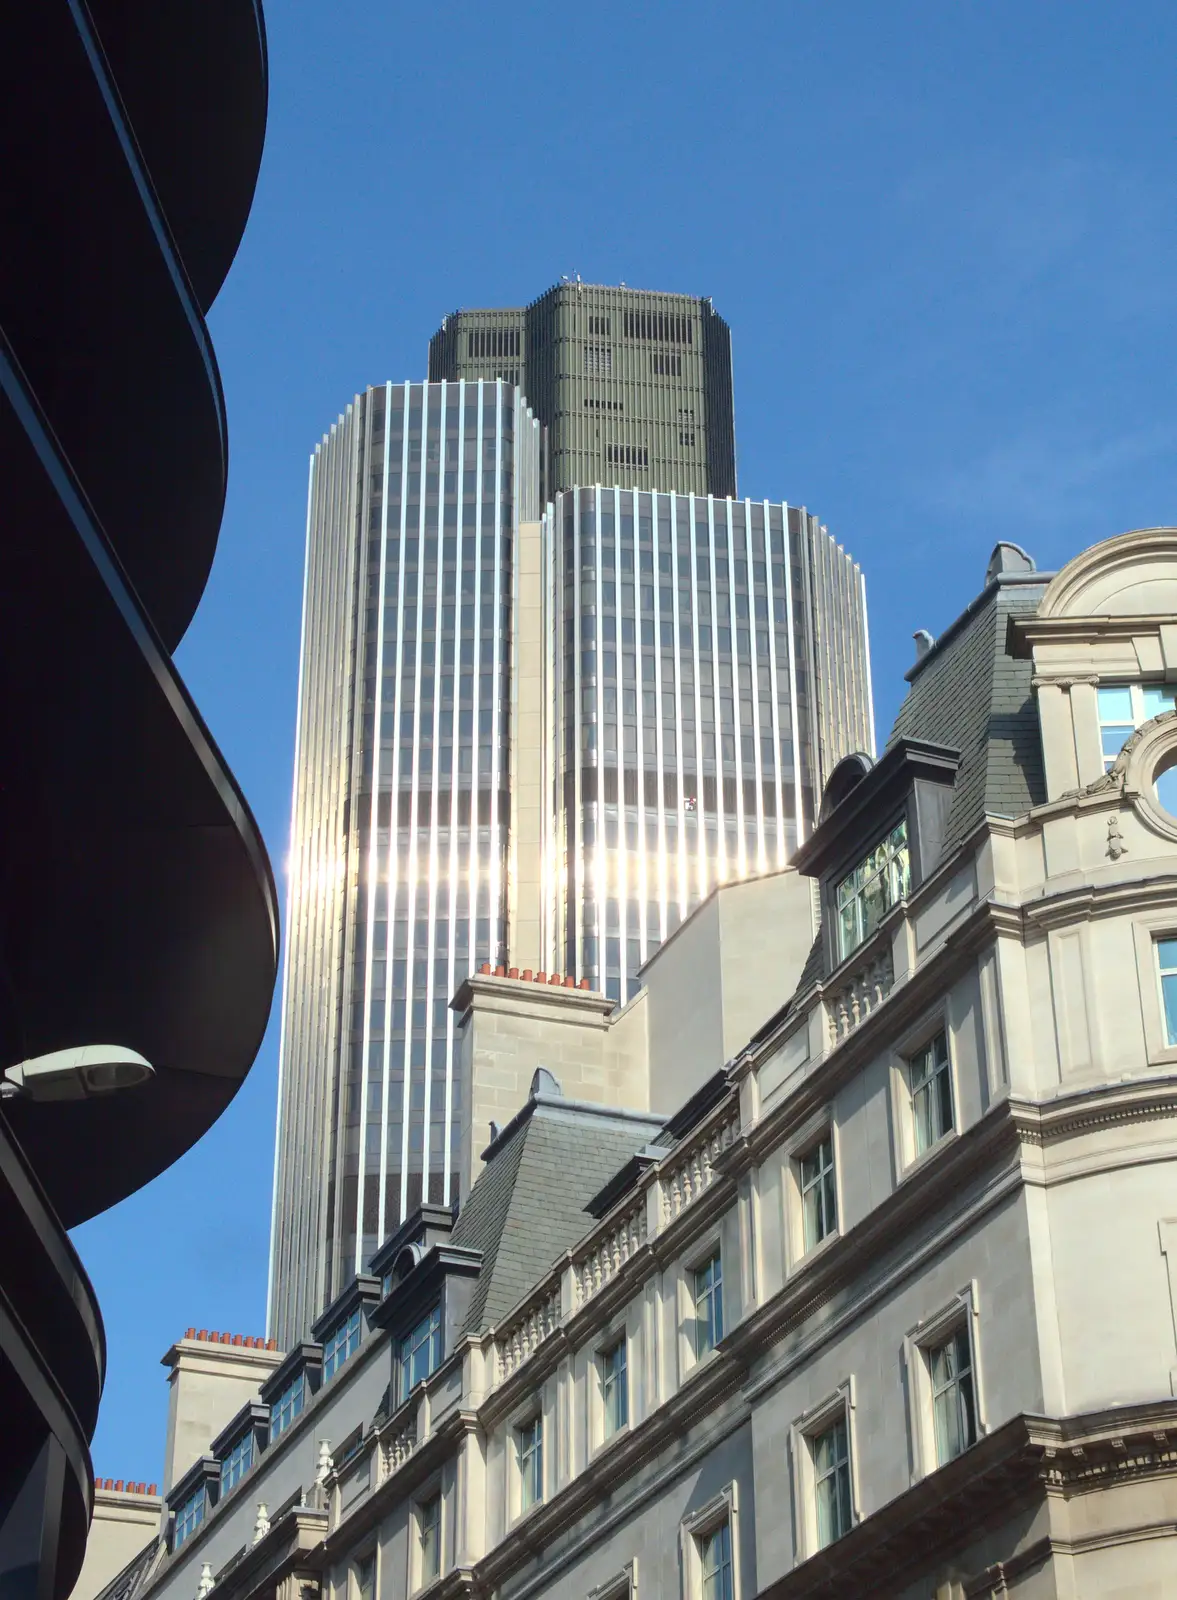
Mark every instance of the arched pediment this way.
pixel 1132 575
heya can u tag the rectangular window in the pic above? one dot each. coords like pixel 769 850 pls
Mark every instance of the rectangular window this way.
pixel 831 1480
pixel 340 1343
pixel 287 1406
pixel 429 1527
pixel 715 1562
pixel 708 1295
pixel 599 325
pixel 614 1388
pixel 1167 965
pixel 954 1410
pixel 666 366
pixel 865 895
pixel 529 1442
pixel 660 325
pixel 598 360
pixel 627 455
pixel 931 1093
pixel 1124 707
pixel 190 1515
pixel 366 1577
pixel 420 1351
pixel 819 1200
pixel 237 1463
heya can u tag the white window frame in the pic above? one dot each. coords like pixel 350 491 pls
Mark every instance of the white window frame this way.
pixel 706 1250
pixel 930 1087
pixel 354 1587
pixel 1147 931
pixel 1137 690
pixel 342 1342
pixel 622 1586
pixel 698 1525
pixel 521 1422
pixel 616 1338
pixel 820 1127
pixel 962 1311
pixel 895 890
pixel 429 1494
pixel 903 1050
pixel 802 1434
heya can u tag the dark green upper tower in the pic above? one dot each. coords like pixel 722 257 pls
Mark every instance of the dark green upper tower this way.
pixel 634 387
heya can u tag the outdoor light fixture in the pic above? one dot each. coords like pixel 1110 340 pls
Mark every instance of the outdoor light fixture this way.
pixel 88 1069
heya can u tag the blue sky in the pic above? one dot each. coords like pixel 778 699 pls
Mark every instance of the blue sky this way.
pixel 943 235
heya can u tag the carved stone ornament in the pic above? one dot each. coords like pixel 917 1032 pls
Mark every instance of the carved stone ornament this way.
pixel 1114 779
pixel 262 1525
pixel 207 1582
pixel 1116 844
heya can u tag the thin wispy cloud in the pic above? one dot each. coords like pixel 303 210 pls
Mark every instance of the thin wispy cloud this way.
pixel 1048 476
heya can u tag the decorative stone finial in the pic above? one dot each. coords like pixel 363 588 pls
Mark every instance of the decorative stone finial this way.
pixel 206 1584
pixel 325 1462
pixel 262 1524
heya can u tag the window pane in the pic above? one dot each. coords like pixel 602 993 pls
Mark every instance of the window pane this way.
pixel 831 1468
pixel 1169 992
pixel 715 1552
pixel 953 1405
pixel 1157 700
pixel 1115 705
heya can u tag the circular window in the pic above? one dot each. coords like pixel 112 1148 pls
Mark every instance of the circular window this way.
pixel 1165 782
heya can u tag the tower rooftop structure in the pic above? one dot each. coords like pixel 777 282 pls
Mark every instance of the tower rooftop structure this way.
pixel 633 385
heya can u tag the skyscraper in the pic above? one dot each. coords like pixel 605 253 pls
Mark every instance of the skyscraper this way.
pixel 401 809
pixel 634 387
pixel 709 668
pixel 523 737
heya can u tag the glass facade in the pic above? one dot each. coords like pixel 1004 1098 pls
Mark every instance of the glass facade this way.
pixel 399 834
pixel 710 668
pixel 695 667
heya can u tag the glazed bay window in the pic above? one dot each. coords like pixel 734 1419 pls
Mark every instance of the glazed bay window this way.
pixel 189 1516
pixel 877 883
pixel 707 1287
pixel 529 1447
pixel 1124 707
pixel 614 1388
pixel 819 1199
pixel 715 1563
pixel 831 1481
pixel 341 1342
pixel 420 1352
pixel 1167 971
pixel 954 1407
pixel 930 1077
pixel 429 1537
pixel 237 1463
pixel 287 1406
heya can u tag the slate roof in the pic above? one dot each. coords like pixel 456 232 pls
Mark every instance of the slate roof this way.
pixel 970 695
pixel 529 1205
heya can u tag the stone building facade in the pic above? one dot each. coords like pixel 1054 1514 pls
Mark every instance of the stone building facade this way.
pixel 888 1305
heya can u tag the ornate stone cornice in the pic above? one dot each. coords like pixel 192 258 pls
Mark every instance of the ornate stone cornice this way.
pixel 1014 1469
pixel 1085 1111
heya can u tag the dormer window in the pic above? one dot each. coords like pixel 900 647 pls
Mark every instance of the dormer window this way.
pixel 877 883
pixel 287 1406
pixel 237 1463
pixel 1124 707
pixel 190 1515
pixel 420 1351
pixel 342 1341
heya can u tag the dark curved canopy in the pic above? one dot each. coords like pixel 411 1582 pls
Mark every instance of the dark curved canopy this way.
pixel 138 907
pixel 112 256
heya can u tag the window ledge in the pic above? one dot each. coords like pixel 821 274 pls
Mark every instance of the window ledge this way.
pixel 934 1151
